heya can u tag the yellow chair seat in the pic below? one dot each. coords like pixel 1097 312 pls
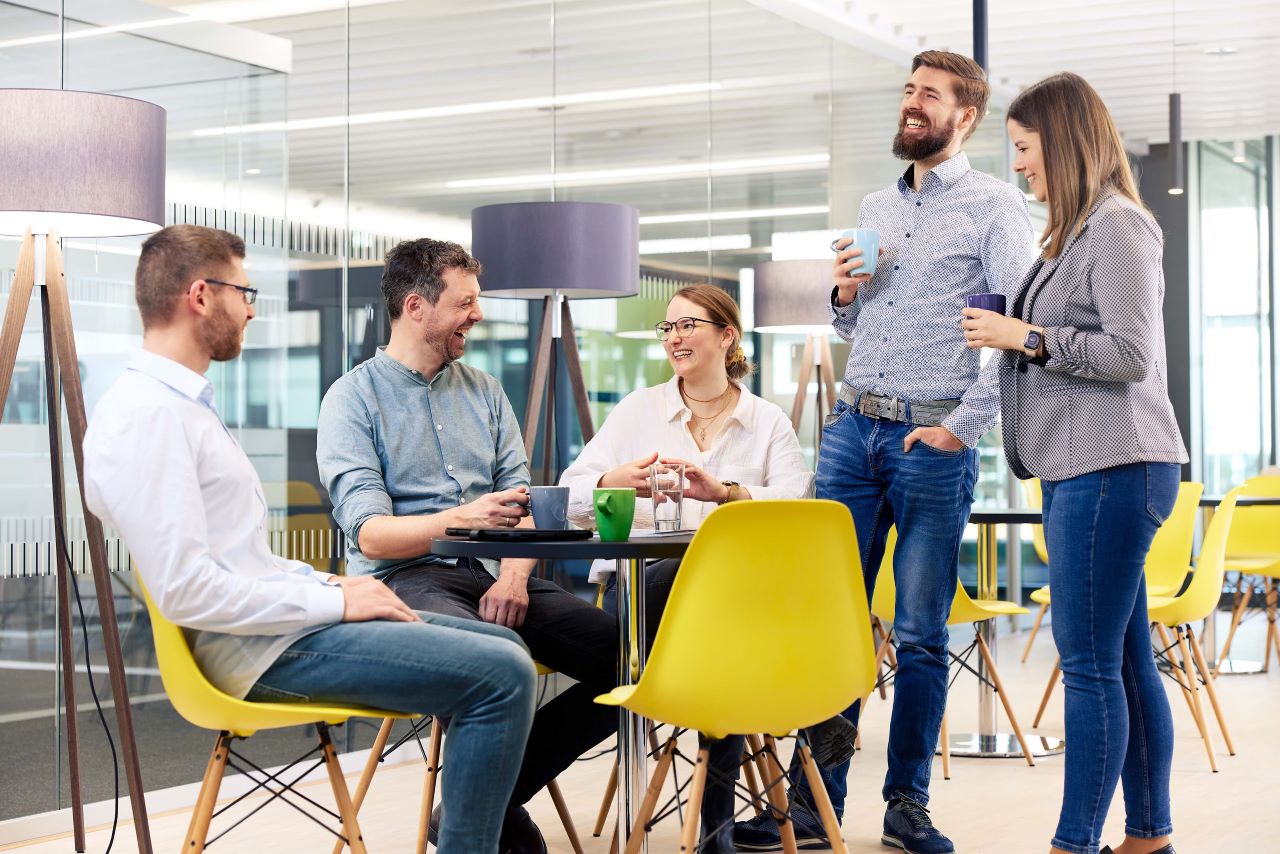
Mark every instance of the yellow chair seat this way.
pixel 966 609
pixel 1200 597
pixel 1254 564
pixel 1041 596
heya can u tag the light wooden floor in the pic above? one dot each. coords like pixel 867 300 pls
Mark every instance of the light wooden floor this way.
pixel 988 807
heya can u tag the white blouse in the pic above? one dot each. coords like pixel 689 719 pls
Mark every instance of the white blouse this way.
pixel 757 448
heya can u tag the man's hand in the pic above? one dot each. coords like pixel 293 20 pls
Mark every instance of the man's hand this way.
pixel 634 474
pixel 935 437
pixel 496 510
pixel 367 598
pixel 506 602
pixel 847 260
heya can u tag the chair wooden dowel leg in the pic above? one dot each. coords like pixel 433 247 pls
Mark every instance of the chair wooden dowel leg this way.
pixel 651 796
pixel 1270 598
pixel 756 746
pixel 1048 692
pixel 777 794
pixel 985 651
pixel 429 784
pixel 607 801
pixel 822 800
pixel 342 795
pixel 366 776
pixel 944 744
pixel 198 830
pixel 1194 691
pixel 562 809
pixel 752 782
pixel 689 838
pixel 1203 667
pixel 1035 629
pixel 1178 670
pixel 1243 593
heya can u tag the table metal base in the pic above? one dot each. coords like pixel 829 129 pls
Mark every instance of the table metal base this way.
pixel 1239 667
pixel 1002 745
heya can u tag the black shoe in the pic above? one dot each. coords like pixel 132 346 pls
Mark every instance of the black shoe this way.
pixel 519 834
pixel 1168 849
pixel 832 741
pixel 907 826
pixel 761 833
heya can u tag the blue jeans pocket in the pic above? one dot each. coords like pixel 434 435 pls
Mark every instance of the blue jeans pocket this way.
pixel 836 414
pixel 1162 490
pixel 942 452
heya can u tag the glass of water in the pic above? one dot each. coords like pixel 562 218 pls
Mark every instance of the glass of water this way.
pixel 667 482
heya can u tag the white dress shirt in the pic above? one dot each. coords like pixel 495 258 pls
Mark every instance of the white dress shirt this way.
pixel 756 448
pixel 166 474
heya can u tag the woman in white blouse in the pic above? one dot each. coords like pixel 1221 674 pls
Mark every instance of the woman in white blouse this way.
pixel 734 446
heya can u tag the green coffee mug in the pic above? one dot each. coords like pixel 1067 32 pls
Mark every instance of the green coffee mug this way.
pixel 615 508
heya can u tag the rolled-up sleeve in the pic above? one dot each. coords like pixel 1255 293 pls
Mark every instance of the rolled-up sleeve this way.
pixel 786 475
pixel 347 459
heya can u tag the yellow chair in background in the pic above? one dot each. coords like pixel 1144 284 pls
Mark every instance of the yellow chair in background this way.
pixel 1253 551
pixel 766 631
pixel 1198 602
pixel 205 706
pixel 1031 489
pixel 964 609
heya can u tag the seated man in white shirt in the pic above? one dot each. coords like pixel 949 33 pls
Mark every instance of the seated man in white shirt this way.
pixel 164 471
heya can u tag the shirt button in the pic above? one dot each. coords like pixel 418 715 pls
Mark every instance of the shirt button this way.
pixel 896 267
pixel 881 375
pixel 890 302
pixel 908 234
pixel 439 426
pixel 885 338
pixel 450 468
pixel 917 204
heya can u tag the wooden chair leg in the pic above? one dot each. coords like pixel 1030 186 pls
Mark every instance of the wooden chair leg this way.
pixel 777 794
pixel 429 784
pixel 562 808
pixel 1048 692
pixel 756 745
pixel 944 744
pixel 198 830
pixel 689 838
pixel 822 801
pixel 1270 593
pixel 753 782
pixel 1194 691
pixel 607 801
pixel 1178 670
pixel 879 636
pixel 1203 667
pixel 1244 592
pixel 366 776
pixel 341 794
pixel 1035 629
pixel 985 651
pixel 651 796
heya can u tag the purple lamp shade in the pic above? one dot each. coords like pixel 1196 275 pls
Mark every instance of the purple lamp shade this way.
pixel 792 296
pixel 531 250
pixel 80 164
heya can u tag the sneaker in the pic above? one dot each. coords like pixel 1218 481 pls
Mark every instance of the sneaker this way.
pixel 907 826
pixel 832 741
pixel 761 833
pixel 1168 849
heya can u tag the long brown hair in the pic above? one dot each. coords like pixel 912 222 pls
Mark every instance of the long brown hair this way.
pixel 721 308
pixel 1083 154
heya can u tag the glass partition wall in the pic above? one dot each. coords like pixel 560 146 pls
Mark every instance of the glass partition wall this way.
pixel 324 137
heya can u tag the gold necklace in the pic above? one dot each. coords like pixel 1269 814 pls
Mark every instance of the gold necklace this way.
pixel 708 419
pixel 688 396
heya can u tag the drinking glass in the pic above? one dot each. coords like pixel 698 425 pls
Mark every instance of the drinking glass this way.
pixel 666 480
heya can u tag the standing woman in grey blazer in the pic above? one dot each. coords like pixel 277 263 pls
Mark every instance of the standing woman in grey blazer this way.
pixel 1086 408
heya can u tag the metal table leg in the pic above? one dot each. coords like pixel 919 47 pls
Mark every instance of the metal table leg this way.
pixel 632 747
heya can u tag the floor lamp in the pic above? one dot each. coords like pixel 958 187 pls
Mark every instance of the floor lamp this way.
pixel 85 165
pixel 552 251
pixel 792 297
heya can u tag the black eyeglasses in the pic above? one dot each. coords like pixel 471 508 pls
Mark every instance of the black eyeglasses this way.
pixel 686 326
pixel 250 294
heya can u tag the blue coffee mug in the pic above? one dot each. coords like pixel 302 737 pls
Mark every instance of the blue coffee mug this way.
pixel 990 302
pixel 866 239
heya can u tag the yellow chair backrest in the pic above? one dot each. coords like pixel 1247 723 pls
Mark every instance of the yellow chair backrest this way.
pixel 1201 597
pixel 1031 489
pixel 766 629
pixel 1256 530
pixel 1169 559
pixel 201 703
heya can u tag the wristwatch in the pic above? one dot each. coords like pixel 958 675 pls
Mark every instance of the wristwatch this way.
pixel 1033 341
pixel 731 484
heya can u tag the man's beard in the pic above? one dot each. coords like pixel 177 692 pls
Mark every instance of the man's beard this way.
pixel 221 336
pixel 922 147
pixel 449 347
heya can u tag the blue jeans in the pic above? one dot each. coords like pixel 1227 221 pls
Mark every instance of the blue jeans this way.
pixel 477 674
pixel 927 494
pixel 1098 528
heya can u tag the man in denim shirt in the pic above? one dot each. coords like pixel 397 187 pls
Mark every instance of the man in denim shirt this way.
pixel 899 448
pixel 412 442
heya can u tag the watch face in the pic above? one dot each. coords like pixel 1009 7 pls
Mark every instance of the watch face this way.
pixel 1032 341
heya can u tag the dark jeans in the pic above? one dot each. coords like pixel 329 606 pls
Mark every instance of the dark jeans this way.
pixel 563 633
pixel 926 493
pixel 725 754
pixel 1098 528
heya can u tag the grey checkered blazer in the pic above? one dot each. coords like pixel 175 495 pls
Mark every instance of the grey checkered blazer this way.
pixel 1101 397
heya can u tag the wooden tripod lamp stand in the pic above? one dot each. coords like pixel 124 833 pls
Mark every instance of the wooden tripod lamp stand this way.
pixel 792 297
pixel 551 251
pixel 85 165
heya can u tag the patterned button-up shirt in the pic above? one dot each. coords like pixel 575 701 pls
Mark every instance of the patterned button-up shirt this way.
pixel 964 233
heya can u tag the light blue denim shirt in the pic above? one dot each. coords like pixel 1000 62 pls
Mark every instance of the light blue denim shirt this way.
pixel 391 442
pixel 964 233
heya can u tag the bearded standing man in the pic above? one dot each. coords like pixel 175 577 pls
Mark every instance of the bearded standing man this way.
pixel 899 447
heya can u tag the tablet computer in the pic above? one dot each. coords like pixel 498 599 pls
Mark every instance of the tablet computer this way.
pixel 520 534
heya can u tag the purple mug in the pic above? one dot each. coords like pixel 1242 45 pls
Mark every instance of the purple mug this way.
pixel 990 302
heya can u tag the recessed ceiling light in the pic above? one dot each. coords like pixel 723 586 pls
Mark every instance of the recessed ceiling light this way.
pixel 1221 51
pixel 253 171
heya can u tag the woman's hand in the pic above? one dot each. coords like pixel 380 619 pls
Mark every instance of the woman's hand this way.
pixel 984 328
pixel 701 485
pixel 634 474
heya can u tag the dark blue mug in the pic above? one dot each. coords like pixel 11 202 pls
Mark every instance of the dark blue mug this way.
pixel 990 302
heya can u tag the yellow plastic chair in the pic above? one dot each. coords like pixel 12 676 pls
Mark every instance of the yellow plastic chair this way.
pixel 1253 551
pixel 205 706
pixel 766 631
pixel 1198 602
pixel 964 609
pixel 1167 565
pixel 1168 561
